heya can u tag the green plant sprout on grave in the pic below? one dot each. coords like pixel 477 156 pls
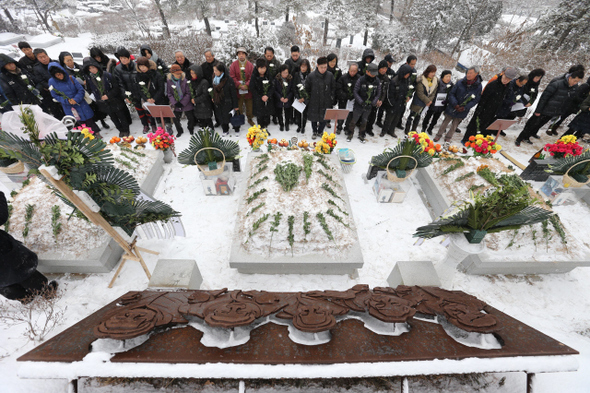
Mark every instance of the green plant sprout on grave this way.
pixel 287 175
pixel 255 195
pixel 130 158
pixel 546 233
pixel 29 210
pixel 291 237
pixel 329 189
pixel 257 182
pixel 55 224
pixel 558 228
pixel 126 164
pixel 307 164
pixel 324 164
pixel 328 177
pixel 488 175
pixel 136 152
pixel 257 224
pixel 263 168
pixel 331 213
pixel 306 225
pixel 254 209
pixel 465 176
pixel 263 161
pixel 453 167
pixel 331 202
pixel 475 187
pixel 324 225
pixel 274 227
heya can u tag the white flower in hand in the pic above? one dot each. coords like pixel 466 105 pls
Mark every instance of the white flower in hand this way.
pixel 285 84
pixel 265 82
pixel 210 89
pixel 76 70
pixel 174 86
pixel 242 68
pixel 128 93
pixel 473 96
pixel 518 98
pixel 411 87
pixel 51 87
pixel 159 67
pixel 98 78
pixel 271 65
pixel 23 77
pixel 532 90
pixel 449 85
pixel 350 84
pixel 142 83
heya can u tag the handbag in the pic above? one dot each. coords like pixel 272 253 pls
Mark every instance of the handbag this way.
pixel 237 120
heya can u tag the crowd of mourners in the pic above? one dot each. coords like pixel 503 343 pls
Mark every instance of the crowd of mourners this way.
pixel 213 94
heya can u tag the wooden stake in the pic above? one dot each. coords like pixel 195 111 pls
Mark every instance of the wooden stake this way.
pixel 131 250
pixel 512 160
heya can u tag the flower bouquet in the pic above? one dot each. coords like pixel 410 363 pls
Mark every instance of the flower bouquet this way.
pixel 427 144
pixel 86 131
pixel 256 136
pixel 327 144
pixel 482 146
pixel 161 140
pixel 566 146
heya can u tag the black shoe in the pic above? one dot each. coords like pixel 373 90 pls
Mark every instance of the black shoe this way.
pixel 502 133
pixel 328 125
pixel 192 132
pixel 436 139
pixel 179 134
pixel 517 143
pixel 399 126
pixel 528 141
pixel 382 134
pixel 349 138
pixel 362 140
pixel 370 133
pixel 379 124
pixel 104 125
pixel 146 129
pixel 298 129
pixel 314 136
pixel 338 132
pixel 458 131
pixel 536 136
pixel 275 120
pixel 282 127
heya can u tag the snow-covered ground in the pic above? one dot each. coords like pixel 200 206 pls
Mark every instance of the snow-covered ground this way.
pixel 557 305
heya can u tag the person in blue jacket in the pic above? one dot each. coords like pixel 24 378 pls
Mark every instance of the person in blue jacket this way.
pixel 66 90
pixel 462 97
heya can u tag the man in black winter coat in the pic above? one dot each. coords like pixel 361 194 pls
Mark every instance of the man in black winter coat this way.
pixel 345 92
pixel 397 98
pixel 489 104
pixel 207 66
pixel 573 107
pixel 384 80
pixel 182 61
pixel 294 61
pixel 366 59
pixel 17 85
pixel 19 278
pixel 411 61
pixel 41 77
pixel 28 61
pixel 552 104
pixel 321 87
pixel 367 92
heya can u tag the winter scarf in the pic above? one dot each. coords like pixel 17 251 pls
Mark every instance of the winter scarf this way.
pixel 217 79
pixel 178 88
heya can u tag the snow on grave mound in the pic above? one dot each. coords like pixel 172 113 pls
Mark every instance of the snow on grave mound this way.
pixel 139 163
pixel 549 241
pixel 307 228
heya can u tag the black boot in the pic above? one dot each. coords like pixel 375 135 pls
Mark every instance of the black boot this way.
pixel 408 126
pixel 281 124
pixel 104 125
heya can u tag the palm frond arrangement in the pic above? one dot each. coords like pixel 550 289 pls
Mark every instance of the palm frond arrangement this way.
pixel 504 208
pixel 86 165
pixel 406 147
pixel 577 171
pixel 207 137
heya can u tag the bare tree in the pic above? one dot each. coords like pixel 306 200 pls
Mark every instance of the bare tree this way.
pixel 165 29
pixel 43 10
pixel 131 6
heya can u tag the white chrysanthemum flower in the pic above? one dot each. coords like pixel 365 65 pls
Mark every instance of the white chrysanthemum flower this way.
pixel 265 82
pixel 142 83
pixel 518 98
pixel 285 84
pixel 128 93
pixel 51 87
pixel 98 78
pixel 210 89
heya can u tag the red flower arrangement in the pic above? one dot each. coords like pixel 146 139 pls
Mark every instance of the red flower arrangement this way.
pixel 161 140
pixel 567 145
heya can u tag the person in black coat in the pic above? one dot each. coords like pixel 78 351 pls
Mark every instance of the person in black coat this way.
pixel 182 61
pixel 367 58
pixel 515 93
pixel 208 65
pixel 102 59
pixel 19 278
pixel 384 80
pixel 201 98
pixel 397 97
pixel 149 87
pixel 489 104
pixel 41 78
pixel 28 61
pixel 263 87
pixel 161 66
pixel 431 118
pixel 367 92
pixel 573 107
pixel 16 89
pixel 299 92
pixel 295 60
pixel 283 92
pixel 107 93
pixel 225 97
pixel 321 88
pixel 345 93
pixel 531 89
pixel 125 72
pixel 581 123
pixel 552 104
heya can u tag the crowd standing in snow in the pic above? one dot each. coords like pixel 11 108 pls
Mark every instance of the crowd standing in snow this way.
pixel 291 93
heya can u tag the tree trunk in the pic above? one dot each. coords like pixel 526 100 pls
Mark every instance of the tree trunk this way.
pixel 338 42
pixel 10 18
pixel 165 29
pixel 40 16
pixel 391 11
pixel 366 38
pixel 567 32
pixel 287 15
pixel 256 19
pixel 325 31
pixel 207 25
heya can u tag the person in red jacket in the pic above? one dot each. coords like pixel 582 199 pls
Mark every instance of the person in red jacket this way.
pixel 241 71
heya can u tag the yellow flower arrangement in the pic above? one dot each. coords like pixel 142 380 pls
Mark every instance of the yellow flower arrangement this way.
pixel 327 144
pixel 256 136
pixel 87 132
pixel 483 145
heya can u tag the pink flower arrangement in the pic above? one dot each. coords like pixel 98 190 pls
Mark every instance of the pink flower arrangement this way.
pixel 161 140
pixel 567 145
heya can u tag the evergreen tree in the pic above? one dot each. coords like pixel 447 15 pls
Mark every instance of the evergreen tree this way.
pixel 567 27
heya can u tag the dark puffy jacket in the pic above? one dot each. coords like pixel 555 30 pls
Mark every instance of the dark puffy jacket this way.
pixel 125 78
pixel 397 93
pixel 27 64
pixel 111 87
pixel 384 80
pixel 460 93
pixel 41 75
pixel 556 98
pixel 273 67
pixel 154 82
pixel 581 123
pixel 490 102
pixel 293 65
pixel 208 70
pixel 336 71
pixel 161 65
pixel 278 91
pixel 104 59
pixel 361 91
pixel 512 92
pixel 442 89
pixel 184 66
pixel 321 89
pixel 185 92
pixel 368 52
pixel 17 262
pixel 72 89
pixel 260 87
pixel 14 87
pixel 203 106
pixel 299 79
pixel 229 101
pixel 345 87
